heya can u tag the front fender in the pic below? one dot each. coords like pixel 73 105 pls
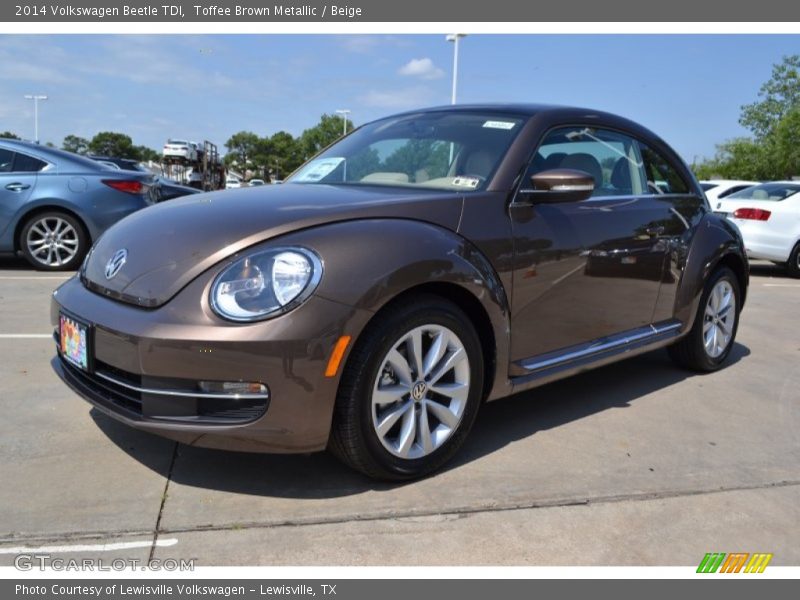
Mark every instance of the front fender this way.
pixel 369 262
pixel 715 240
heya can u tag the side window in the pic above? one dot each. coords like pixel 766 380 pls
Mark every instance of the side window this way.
pixel 27 164
pixel 733 190
pixel 662 177
pixel 611 158
pixel 6 160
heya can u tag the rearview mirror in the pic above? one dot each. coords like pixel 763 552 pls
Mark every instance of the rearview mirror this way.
pixel 560 185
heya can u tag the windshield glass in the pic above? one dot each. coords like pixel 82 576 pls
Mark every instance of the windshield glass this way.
pixel 767 191
pixel 707 186
pixel 436 150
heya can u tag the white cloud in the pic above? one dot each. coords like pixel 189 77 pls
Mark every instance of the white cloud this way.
pixel 422 68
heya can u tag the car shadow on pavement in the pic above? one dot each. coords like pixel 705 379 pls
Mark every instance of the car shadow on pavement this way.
pixel 769 269
pixel 320 475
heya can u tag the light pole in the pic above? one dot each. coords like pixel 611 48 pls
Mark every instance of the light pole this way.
pixel 344 112
pixel 35 98
pixel 454 37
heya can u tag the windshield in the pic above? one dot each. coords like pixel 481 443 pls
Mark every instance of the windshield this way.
pixel 438 150
pixel 767 191
pixel 707 186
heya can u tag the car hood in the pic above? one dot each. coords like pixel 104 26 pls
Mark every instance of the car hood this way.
pixel 170 244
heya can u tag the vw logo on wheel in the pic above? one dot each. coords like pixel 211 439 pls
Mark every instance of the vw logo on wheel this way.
pixel 115 263
pixel 418 391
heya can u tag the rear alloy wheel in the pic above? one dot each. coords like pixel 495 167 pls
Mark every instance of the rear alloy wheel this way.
pixel 53 241
pixel 410 391
pixel 793 266
pixel 711 338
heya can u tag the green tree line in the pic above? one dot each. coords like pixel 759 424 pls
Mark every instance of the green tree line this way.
pixel 279 154
pixel 772 151
pixel 274 155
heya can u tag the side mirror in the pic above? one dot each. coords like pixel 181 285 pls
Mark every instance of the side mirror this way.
pixel 560 185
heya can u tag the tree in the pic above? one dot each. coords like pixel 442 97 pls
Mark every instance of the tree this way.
pixel 322 135
pixel 9 136
pixel 145 154
pixel 241 147
pixel 109 143
pixel 76 144
pixel 740 158
pixel 774 150
pixel 785 144
pixel 778 96
pixel 285 154
pixel 419 155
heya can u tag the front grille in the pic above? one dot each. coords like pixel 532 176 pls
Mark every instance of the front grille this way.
pixel 159 404
pixel 112 396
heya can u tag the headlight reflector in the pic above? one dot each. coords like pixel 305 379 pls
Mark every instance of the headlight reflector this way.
pixel 265 284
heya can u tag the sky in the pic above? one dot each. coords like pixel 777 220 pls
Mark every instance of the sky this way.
pixel 687 88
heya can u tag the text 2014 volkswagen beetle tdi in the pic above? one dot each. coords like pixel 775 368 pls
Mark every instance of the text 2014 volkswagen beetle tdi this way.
pixel 424 264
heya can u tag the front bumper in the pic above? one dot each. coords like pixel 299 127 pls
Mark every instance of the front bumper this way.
pixel 146 361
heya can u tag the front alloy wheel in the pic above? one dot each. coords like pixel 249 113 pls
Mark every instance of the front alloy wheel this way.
pixel 410 390
pixel 420 392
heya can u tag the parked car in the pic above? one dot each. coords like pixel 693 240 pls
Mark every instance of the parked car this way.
pixel 232 182
pixel 768 215
pixel 717 189
pixel 167 189
pixel 180 149
pixel 126 164
pixel 255 182
pixel 371 303
pixel 53 204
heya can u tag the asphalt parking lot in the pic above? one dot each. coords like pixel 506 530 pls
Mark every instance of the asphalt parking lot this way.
pixel 638 463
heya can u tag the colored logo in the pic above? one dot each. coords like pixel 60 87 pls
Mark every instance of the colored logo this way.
pixel 736 562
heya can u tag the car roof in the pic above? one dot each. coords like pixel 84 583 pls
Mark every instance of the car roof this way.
pixel 733 181
pixel 53 155
pixel 552 112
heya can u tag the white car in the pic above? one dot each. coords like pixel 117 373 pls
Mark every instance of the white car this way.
pixel 180 149
pixel 717 189
pixel 768 215
pixel 232 182
pixel 255 182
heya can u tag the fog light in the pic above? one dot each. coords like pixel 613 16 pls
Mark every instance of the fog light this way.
pixel 233 388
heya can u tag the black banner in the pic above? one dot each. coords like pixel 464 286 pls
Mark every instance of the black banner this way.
pixel 406 11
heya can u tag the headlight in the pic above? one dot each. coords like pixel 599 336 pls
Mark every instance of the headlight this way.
pixel 265 284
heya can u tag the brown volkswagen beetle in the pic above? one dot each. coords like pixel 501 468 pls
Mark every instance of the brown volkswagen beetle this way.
pixel 422 265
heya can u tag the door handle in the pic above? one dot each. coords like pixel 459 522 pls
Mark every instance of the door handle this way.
pixel 655 231
pixel 17 187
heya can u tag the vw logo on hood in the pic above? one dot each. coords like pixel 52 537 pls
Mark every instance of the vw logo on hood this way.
pixel 115 263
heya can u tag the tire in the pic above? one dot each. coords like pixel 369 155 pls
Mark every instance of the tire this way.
pixel 699 350
pixel 793 266
pixel 53 241
pixel 379 387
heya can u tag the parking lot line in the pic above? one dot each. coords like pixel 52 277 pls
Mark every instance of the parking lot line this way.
pixel 25 336
pixel 60 278
pixel 88 547
pixel 790 285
